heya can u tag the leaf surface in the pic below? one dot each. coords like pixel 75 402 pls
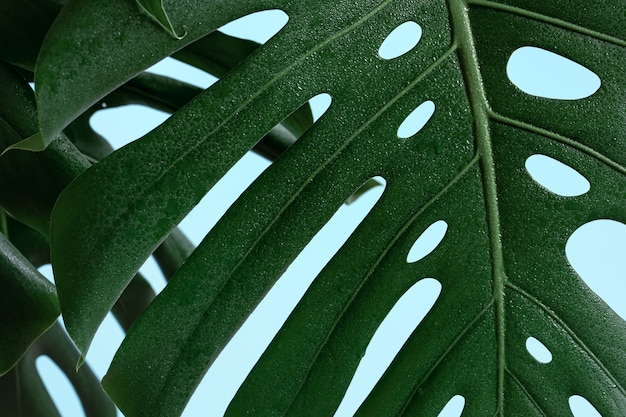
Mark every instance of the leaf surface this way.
pixel 502 263
pixel 28 304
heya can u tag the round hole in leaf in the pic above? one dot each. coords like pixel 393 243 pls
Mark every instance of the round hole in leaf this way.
pixel 400 41
pixel 596 252
pixel 538 350
pixel 581 407
pixel 557 177
pixel 416 120
pixel 542 73
pixel 427 241
pixel 454 407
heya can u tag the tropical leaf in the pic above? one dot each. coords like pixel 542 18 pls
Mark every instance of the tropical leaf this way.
pixel 155 9
pixel 502 263
pixel 28 304
pixel 22 392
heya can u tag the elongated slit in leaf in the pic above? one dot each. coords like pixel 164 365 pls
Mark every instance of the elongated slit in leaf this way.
pixel 400 322
pixel 59 387
pixel 581 407
pixel 416 120
pixel 275 307
pixel 239 177
pixel 258 26
pixel 427 241
pixel 454 407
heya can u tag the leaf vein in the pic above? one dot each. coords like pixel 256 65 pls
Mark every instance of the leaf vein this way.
pixel 548 20
pixel 560 138
pixel 570 332
pixel 446 352
pixel 525 391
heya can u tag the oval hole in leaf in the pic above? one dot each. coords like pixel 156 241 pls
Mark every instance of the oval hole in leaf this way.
pixel 214 204
pixel 400 41
pixel 393 332
pixel 454 407
pixel 428 241
pixel 59 387
pixel 538 350
pixel 581 407
pixel 596 252
pixel 234 363
pixel 557 177
pixel 259 26
pixel 542 73
pixel 416 120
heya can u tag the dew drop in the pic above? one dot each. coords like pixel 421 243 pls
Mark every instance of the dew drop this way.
pixel 538 350
pixel 428 241
pixel 542 73
pixel 580 407
pixel 596 252
pixel 401 40
pixel 557 177
pixel 393 332
pixel 454 407
pixel 416 120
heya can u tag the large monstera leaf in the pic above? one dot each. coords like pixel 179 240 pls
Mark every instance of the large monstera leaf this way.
pixel 501 264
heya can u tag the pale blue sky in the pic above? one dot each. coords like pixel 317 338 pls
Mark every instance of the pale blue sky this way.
pixel 595 251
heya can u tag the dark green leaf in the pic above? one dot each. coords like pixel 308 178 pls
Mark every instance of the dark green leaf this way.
pixel 502 264
pixel 155 9
pixel 115 25
pixel 22 392
pixel 23 26
pixel 28 304
pixel 30 182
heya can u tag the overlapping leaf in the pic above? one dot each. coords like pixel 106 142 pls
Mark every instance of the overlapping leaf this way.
pixel 508 279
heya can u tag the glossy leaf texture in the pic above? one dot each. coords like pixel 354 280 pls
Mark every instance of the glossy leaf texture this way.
pixel 23 393
pixel 28 304
pixel 501 263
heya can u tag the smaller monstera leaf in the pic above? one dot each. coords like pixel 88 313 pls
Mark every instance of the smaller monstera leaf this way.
pixel 28 304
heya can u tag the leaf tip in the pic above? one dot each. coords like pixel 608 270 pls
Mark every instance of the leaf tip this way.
pixel 155 10
pixel 34 143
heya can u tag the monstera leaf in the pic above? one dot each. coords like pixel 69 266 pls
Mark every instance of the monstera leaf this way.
pixel 501 263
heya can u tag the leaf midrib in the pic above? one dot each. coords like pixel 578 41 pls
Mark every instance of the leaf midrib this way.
pixel 462 35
